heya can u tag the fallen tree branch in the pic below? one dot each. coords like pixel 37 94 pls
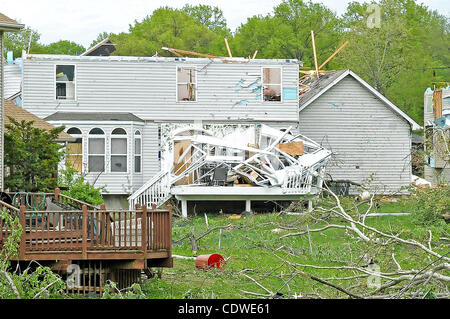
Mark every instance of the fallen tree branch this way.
pixel 11 283
pixel 46 287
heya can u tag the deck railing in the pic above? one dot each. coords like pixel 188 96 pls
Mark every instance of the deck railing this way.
pixel 83 231
pixel 36 199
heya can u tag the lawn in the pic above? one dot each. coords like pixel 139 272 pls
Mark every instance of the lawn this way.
pixel 258 259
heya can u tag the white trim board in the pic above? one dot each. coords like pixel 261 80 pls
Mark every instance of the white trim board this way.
pixel 413 123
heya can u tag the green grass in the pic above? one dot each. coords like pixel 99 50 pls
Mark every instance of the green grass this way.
pixel 252 244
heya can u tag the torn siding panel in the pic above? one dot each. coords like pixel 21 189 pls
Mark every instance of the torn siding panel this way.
pixel 12 79
pixel 225 91
pixel 365 136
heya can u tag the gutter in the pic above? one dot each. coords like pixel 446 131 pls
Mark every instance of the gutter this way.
pixel 11 27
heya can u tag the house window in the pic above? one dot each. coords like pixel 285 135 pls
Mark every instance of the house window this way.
pixel 96 150
pixel 74 150
pixel 119 150
pixel 271 84
pixel 65 82
pixel 186 84
pixel 137 152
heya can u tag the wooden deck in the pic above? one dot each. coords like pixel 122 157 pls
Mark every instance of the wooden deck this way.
pixel 135 239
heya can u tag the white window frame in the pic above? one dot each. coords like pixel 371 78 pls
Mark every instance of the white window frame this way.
pixel 75 82
pixel 262 83
pixel 195 84
pixel 134 151
pixel 82 142
pixel 97 136
pixel 111 138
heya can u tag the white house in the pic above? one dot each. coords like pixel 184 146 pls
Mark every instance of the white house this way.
pixel 369 136
pixel 116 106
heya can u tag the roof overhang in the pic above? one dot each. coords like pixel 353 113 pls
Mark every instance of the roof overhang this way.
pixel 413 123
pixel 11 27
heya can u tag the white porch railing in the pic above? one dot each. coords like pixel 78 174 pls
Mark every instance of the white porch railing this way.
pixel 155 191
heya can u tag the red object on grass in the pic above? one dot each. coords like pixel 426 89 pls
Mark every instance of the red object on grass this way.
pixel 210 261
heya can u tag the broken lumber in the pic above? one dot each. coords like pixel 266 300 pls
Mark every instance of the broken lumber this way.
pixel 315 53
pixel 334 54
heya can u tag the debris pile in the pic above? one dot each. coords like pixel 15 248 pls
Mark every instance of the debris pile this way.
pixel 259 156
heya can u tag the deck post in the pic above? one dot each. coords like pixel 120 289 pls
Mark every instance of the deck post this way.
pixel 184 208
pixel 169 234
pixel 84 222
pixel 22 220
pixel 248 205
pixel 144 231
pixel 57 192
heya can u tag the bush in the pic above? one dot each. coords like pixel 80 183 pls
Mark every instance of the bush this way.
pixel 430 204
pixel 79 188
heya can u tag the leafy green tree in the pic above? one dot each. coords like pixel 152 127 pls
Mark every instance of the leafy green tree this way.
pixel 167 27
pixel 287 32
pixel 78 187
pixel 211 17
pixel 31 157
pixel 18 41
pixel 397 57
pixel 64 47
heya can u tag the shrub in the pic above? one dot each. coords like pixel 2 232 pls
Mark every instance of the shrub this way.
pixel 79 188
pixel 430 204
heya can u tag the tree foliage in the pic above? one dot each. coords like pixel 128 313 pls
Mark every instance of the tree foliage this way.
pixel 210 17
pixel 78 187
pixel 64 47
pixel 31 156
pixel 18 41
pixel 410 41
pixel 166 27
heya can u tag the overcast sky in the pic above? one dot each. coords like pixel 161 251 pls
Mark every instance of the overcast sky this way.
pixel 82 20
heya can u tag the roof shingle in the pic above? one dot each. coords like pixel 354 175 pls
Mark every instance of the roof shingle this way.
pixel 6 19
pixel 19 114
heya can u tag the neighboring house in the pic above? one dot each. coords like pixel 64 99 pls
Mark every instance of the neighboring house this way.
pixel 103 48
pixel 20 114
pixel 6 25
pixel 437 135
pixel 116 106
pixel 369 136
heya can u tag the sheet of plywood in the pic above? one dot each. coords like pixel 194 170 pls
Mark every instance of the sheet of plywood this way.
pixel 292 148
pixel 179 147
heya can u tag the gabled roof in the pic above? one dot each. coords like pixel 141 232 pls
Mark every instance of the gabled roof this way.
pixel 103 48
pixel 8 24
pixel 19 114
pixel 318 86
pixel 91 116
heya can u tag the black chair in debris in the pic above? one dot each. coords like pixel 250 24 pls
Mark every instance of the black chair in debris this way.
pixel 219 176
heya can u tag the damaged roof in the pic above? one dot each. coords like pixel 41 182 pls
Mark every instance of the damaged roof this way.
pixel 314 87
pixel 19 114
pixel 153 59
pixel 90 116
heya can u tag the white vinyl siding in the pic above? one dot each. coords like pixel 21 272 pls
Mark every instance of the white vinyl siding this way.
pixel 367 137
